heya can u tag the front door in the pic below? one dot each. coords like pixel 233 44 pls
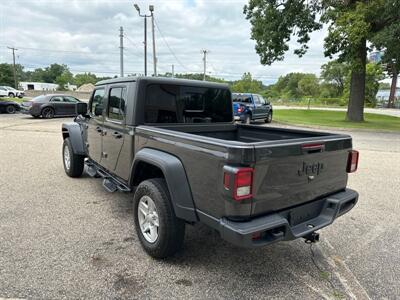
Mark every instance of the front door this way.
pixel 257 107
pixel 94 129
pixel 70 105
pixel 114 126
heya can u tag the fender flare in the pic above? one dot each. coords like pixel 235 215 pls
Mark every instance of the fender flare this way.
pixel 73 131
pixel 175 176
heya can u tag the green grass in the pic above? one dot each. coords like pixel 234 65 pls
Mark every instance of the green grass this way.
pixel 335 119
pixel 18 100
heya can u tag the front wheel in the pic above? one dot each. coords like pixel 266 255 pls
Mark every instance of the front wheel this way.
pixel 73 163
pixel 268 119
pixel 11 95
pixel 160 232
pixel 10 109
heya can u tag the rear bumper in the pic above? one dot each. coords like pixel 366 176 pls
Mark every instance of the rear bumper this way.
pixel 286 225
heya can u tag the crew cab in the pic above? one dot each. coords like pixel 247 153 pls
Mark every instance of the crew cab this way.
pixel 248 107
pixel 173 143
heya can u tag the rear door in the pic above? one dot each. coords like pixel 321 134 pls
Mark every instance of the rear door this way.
pixel 58 104
pixel 294 172
pixel 94 127
pixel 114 125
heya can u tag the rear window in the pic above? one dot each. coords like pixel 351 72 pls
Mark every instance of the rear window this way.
pixel 241 98
pixel 39 98
pixel 167 103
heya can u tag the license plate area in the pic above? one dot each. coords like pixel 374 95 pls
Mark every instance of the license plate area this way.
pixel 305 212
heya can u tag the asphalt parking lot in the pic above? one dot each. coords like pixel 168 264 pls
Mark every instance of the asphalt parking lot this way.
pixel 64 238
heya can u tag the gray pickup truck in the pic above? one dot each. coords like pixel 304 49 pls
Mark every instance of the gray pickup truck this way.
pixel 174 145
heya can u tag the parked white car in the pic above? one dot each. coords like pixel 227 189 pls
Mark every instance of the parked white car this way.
pixel 9 91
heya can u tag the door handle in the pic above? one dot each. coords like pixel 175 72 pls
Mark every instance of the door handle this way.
pixel 98 129
pixel 117 135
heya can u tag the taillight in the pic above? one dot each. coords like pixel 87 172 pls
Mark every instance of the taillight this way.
pixel 240 109
pixel 242 183
pixel 352 161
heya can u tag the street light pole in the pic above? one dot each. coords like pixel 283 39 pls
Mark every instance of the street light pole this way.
pixel 145 46
pixel 151 8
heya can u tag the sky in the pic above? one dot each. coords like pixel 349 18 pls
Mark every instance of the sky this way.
pixel 84 34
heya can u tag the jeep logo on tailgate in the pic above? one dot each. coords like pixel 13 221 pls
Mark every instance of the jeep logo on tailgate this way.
pixel 311 169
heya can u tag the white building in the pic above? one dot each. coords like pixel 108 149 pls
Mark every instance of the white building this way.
pixel 44 86
pixel 38 86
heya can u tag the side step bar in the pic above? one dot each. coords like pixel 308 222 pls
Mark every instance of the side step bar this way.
pixel 110 183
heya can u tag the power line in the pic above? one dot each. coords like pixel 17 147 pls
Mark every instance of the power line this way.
pixel 166 43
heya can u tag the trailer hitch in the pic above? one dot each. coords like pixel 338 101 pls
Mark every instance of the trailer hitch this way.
pixel 311 238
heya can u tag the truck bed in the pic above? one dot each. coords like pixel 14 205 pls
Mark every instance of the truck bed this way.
pixel 291 167
pixel 245 133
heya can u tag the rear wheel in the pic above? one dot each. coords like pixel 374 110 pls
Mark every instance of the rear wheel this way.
pixel 10 109
pixel 160 232
pixel 48 113
pixel 269 117
pixel 73 163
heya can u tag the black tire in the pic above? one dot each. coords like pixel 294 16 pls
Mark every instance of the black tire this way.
pixel 171 230
pixel 76 162
pixel 11 95
pixel 47 113
pixel 10 109
pixel 269 117
pixel 247 119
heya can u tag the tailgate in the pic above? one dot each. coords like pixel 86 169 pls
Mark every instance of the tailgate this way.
pixel 290 174
pixel 235 108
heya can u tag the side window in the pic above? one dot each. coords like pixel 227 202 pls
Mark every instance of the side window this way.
pixel 97 100
pixel 70 99
pixel 116 103
pixel 256 99
pixel 56 99
pixel 262 100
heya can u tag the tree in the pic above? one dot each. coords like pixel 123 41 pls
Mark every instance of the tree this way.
pixel 351 23
pixel 335 73
pixel 84 78
pixel 65 78
pixel 388 41
pixel 296 85
pixel 247 84
pixel 6 75
pixel 309 86
pixel 374 74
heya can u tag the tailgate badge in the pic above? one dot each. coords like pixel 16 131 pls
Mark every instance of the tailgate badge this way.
pixel 311 170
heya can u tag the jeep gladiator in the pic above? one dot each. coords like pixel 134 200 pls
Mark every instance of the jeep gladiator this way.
pixel 174 145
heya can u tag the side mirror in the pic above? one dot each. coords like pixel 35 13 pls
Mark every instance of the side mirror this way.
pixel 98 110
pixel 81 108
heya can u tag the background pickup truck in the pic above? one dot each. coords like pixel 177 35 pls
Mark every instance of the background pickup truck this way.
pixel 249 107
pixel 173 143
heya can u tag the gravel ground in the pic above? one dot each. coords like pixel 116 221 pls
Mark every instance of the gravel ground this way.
pixel 64 238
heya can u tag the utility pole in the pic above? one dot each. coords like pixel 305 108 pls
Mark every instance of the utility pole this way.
pixel 121 51
pixel 151 8
pixel 173 74
pixel 15 70
pixel 205 62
